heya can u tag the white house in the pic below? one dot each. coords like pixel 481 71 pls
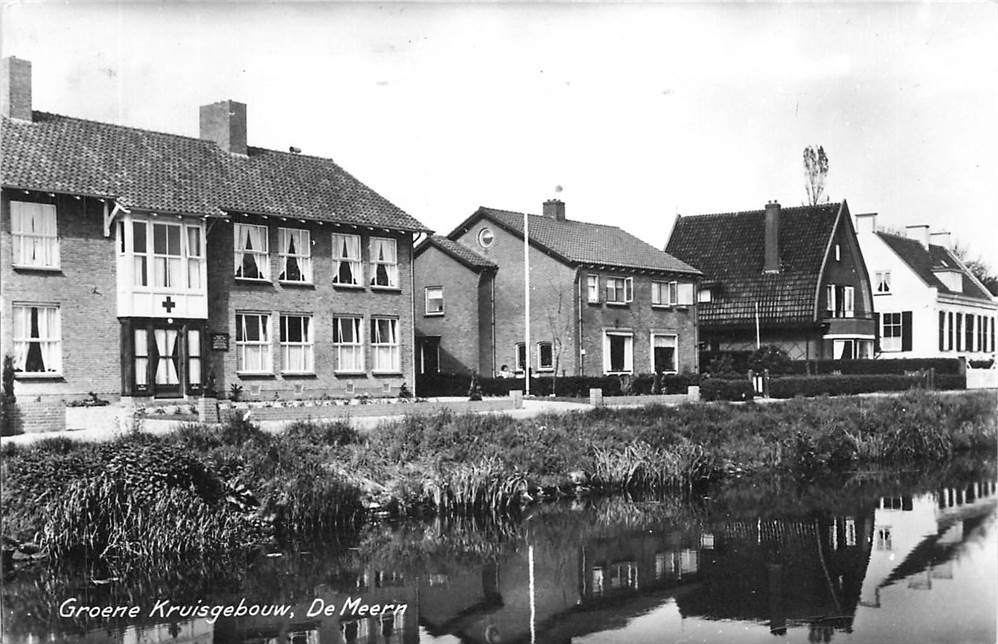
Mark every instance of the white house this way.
pixel 926 301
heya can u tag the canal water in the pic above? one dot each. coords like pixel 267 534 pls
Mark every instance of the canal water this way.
pixel 866 557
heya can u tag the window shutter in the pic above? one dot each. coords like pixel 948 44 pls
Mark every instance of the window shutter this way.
pixel 906 330
pixel 686 294
pixel 876 333
pixel 942 330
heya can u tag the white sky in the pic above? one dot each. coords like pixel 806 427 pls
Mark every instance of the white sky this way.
pixel 638 111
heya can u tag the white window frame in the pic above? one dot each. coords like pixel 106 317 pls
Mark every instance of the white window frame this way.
pixel 306 345
pixel 381 347
pixel 540 363
pixel 194 261
pixel 261 255
pixel 830 300
pixel 628 352
pixel 618 285
pixel 889 342
pixel 355 349
pixel 167 259
pixel 675 353
pixel 34 228
pixel 351 243
pixel 391 265
pixel 883 282
pixel 704 295
pixel 302 254
pixel 519 364
pixel 849 301
pixel 592 288
pixel 263 345
pixel 669 289
pixel 427 299
pixel 49 337
pixel 838 252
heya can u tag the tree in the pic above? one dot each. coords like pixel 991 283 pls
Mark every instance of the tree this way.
pixel 815 172
pixel 977 267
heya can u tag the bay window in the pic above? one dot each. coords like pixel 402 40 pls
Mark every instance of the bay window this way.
pixel 252 255
pixel 166 255
pixel 33 234
pixel 384 262
pixel 37 339
pixel 385 345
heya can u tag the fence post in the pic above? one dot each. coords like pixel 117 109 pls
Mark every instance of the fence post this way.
pixel 596 397
pixel 517 396
pixel 693 393
pixel 765 383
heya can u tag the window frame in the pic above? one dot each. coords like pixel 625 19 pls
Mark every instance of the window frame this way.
pixel 395 348
pixel 392 270
pixel 307 343
pixel 52 342
pixel 166 256
pixel 592 289
pixel 628 356
pixel 887 341
pixel 540 363
pixel 627 287
pixel 519 363
pixel 670 289
pixel 19 238
pixel 675 353
pixel 356 263
pixel 259 255
pixel 426 302
pixel 882 279
pixel 265 326
pixel 357 346
pixel 304 259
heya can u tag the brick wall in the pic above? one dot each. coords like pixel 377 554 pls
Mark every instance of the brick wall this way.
pixel 45 415
pixel 227 296
pixel 458 327
pixel 84 290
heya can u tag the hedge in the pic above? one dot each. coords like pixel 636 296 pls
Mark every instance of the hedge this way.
pixel 790 386
pixel 576 386
pixel 900 366
pixel 720 389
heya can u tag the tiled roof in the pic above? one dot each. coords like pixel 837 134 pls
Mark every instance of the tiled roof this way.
pixel 177 174
pixel 922 261
pixel 460 252
pixel 729 248
pixel 585 243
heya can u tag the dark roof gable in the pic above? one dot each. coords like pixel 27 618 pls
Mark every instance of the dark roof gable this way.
pixel 177 174
pixel 578 242
pixel 730 250
pixel 459 252
pixel 922 261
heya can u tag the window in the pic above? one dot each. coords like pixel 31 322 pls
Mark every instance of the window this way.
pixel 848 301
pixel 942 330
pixel 434 300
pixel 592 288
pixel 141 351
pixel 884 540
pixel 346 259
pixel 385 344
pixel 969 332
pixel 384 263
pixel 521 357
pixel 883 281
pixel 838 252
pixel 33 234
pixel 348 345
pixel 194 358
pixel 663 353
pixel 253 343
pixel 664 293
pixel 619 290
pixel 295 255
pixel 704 295
pixel 890 334
pixel 618 352
pixel 251 252
pixel 166 256
pixel 140 249
pixel 844 349
pixel 840 301
pixel 959 331
pixel 296 344
pixel 37 338
pixel 195 255
pixel 949 331
pixel 486 238
pixel 545 356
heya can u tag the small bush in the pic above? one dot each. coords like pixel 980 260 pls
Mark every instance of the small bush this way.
pixel 718 389
pixel 333 434
pixel 790 386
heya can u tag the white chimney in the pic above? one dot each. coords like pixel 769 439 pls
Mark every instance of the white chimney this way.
pixel 941 239
pixel 866 222
pixel 919 233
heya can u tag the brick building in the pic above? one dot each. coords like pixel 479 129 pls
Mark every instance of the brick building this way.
pixel 139 263
pixel 602 300
pixel 790 277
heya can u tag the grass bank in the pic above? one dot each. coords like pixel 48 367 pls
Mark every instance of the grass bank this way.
pixel 206 489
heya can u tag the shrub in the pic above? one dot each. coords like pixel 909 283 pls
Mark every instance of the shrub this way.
pixel 8 403
pixel 333 434
pixel 770 357
pixel 900 366
pixel 718 389
pixel 790 386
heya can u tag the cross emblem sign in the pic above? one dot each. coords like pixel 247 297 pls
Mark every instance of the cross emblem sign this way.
pixel 168 304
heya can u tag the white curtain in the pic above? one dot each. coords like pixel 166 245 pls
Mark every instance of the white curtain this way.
pixel 385 341
pixel 166 368
pixel 257 240
pixel 384 262
pixel 194 356
pixel 34 228
pixel 346 250
pixel 21 331
pixel 141 351
pixel 349 351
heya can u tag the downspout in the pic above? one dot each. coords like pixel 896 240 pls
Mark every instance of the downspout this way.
pixel 579 356
pixel 412 309
pixel 492 317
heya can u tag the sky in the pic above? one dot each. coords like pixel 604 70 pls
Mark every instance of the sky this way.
pixel 630 113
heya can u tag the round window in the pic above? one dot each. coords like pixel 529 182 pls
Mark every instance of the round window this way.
pixel 485 238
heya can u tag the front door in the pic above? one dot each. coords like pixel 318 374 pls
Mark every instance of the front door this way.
pixel 163 358
pixel 167 359
pixel 429 354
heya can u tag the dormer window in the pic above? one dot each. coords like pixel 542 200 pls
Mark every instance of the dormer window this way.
pixel 883 281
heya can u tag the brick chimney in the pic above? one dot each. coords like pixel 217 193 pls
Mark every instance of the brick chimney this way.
pixel 772 257
pixel 920 233
pixel 15 88
pixel 941 239
pixel 224 123
pixel 866 222
pixel 554 209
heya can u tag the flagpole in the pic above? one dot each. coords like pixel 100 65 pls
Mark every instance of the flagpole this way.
pixel 526 303
pixel 757 343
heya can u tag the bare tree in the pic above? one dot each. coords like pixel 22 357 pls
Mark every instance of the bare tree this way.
pixel 815 173
pixel 559 322
pixel 978 267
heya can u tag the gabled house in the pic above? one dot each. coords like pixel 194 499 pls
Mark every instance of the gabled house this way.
pixel 601 300
pixel 927 303
pixel 138 264
pixel 790 277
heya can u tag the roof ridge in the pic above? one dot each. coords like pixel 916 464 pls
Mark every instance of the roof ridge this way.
pixel 114 125
pixel 546 218
pixel 761 210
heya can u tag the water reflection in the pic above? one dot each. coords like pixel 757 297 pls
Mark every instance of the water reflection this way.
pixel 874 561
